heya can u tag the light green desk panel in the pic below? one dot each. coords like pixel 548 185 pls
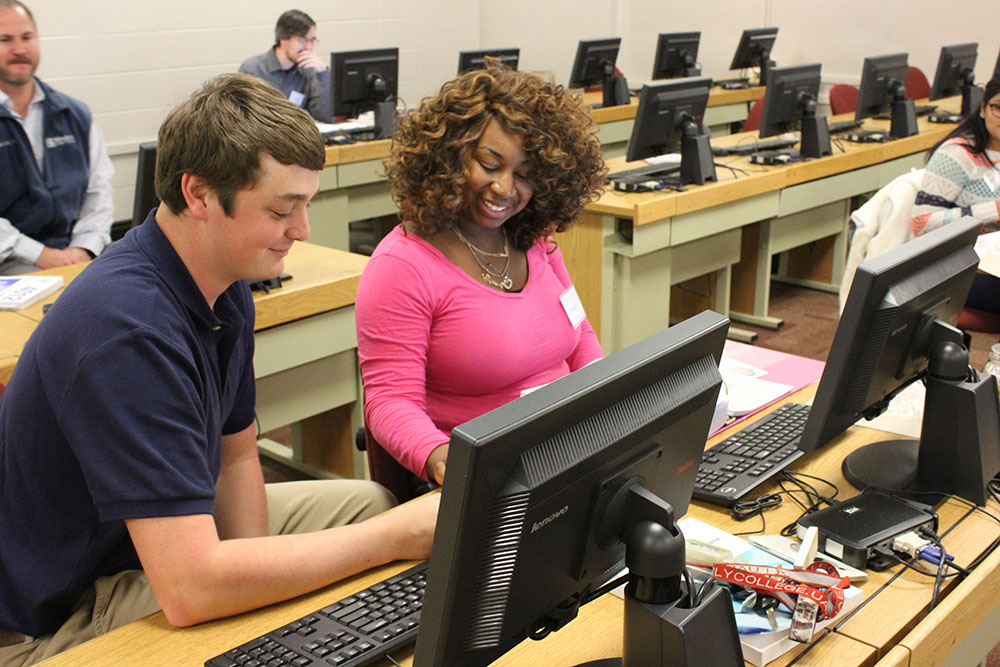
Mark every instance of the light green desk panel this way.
pixel 899 166
pixel 708 222
pixel 305 368
pixel 638 303
pixel 804 196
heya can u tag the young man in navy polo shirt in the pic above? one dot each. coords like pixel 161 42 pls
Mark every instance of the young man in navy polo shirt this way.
pixel 129 474
pixel 55 189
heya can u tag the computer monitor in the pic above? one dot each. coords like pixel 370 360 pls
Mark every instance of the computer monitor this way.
pixel 883 88
pixel 790 104
pixel 754 50
pixel 897 327
pixel 671 113
pixel 956 75
pixel 546 496
pixel 996 68
pixel 676 55
pixel 595 64
pixel 477 59
pixel 366 80
pixel 145 198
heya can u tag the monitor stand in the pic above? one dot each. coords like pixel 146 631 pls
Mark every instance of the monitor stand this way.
pixel 614 88
pixel 697 163
pixel 660 628
pixel 959 447
pixel 385 118
pixel 904 119
pixel 972 99
pixel 766 64
pixel 814 139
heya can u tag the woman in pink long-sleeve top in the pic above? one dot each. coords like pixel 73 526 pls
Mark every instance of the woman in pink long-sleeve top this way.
pixel 467 303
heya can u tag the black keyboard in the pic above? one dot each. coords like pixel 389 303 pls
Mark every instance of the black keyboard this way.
pixel 358 630
pixel 919 109
pixel 739 464
pixel 754 147
pixel 736 80
pixel 843 125
pixel 646 172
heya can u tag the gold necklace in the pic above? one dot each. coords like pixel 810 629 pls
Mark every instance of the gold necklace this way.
pixel 492 276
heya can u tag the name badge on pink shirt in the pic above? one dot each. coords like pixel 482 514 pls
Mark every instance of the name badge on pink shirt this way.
pixel 573 306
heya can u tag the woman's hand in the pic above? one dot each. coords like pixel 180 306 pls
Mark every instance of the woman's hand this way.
pixel 436 464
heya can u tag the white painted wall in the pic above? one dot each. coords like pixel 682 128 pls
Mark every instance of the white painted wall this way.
pixel 133 61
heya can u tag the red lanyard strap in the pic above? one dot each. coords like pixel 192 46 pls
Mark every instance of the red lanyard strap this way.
pixel 826 590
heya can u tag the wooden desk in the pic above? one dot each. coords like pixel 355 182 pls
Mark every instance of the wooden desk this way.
pixel 352 187
pixel 305 358
pixel 628 250
pixel 892 620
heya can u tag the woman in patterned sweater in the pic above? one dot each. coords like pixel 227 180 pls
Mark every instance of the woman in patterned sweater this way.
pixel 963 179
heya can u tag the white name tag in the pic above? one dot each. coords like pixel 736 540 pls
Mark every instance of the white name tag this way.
pixel 54 142
pixel 297 98
pixel 573 306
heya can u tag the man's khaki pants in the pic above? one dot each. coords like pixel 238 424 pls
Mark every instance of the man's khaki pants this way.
pixel 113 601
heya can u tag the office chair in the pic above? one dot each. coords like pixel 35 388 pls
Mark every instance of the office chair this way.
pixel 843 98
pixel 916 84
pixel 387 471
pixel 752 123
pixel 981 321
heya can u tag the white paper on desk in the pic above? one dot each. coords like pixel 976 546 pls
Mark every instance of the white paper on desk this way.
pixel 905 413
pixel 988 249
pixel 746 389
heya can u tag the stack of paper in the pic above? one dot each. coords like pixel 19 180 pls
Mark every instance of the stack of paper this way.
pixel 18 292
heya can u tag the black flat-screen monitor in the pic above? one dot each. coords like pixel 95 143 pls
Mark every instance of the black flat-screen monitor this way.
pixel 366 80
pixel 956 75
pixel 754 50
pixel 883 88
pixel 898 327
pixel 144 199
pixel 670 120
pixel 676 55
pixel 790 104
pixel 540 492
pixel 595 64
pixel 996 68
pixel 477 59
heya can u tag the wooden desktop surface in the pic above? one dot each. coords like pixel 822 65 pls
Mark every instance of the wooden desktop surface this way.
pixel 323 279
pixel 892 622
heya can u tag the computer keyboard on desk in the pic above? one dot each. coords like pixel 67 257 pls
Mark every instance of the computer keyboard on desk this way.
pixel 835 126
pixel 752 456
pixel 346 131
pixel 648 171
pixel 918 109
pixel 754 146
pixel 355 631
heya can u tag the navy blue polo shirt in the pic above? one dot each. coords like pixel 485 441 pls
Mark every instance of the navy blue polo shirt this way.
pixel 115 410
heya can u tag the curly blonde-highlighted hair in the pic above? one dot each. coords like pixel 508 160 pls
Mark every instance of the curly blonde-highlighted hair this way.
pixel 426 165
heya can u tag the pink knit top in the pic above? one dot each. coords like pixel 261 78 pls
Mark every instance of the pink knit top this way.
pixel 438 348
